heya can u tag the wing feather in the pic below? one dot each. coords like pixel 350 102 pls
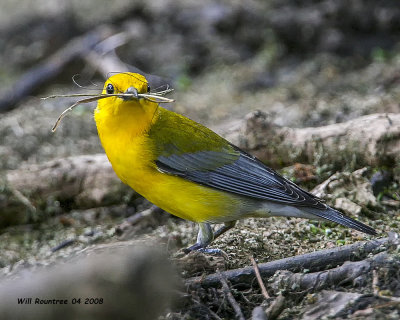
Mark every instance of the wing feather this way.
pixel 243 175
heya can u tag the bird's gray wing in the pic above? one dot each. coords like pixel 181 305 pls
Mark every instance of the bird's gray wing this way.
pixel 243 175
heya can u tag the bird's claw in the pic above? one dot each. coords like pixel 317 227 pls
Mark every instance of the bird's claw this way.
pixel 199 248
pixel 212 251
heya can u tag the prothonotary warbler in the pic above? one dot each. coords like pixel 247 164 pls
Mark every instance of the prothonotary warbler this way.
pixel 190 171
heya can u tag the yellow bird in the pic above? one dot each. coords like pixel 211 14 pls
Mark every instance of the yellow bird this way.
pixel 190 171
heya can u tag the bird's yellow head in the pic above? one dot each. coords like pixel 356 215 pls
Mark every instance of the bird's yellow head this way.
pixel 130 84
pixel 125 97
pixel 126 105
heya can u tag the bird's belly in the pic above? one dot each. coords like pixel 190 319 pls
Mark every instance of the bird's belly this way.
pixel 185 199
pixel 188 200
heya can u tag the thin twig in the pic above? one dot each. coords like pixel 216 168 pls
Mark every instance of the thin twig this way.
pixel 72 95
pixel 69 109
pixel 259 279
pixel 137 218
pixel 24 200
pixel 156 97
pixel 63 244
pixel 230 297
pixel 212 313
pixel 388 304
pixel 375 282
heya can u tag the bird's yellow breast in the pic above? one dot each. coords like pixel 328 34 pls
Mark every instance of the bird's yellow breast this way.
pixel 133 157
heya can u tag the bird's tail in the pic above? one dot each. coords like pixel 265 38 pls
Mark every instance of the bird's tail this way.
pixel 336 216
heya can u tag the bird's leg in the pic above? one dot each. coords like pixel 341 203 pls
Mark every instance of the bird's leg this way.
pixel 204 238
pixel 227 226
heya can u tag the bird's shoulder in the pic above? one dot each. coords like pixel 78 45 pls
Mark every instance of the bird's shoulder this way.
pixel 174 135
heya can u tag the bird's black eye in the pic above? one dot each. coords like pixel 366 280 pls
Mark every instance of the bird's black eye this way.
pixel 148 88
pixel 110 89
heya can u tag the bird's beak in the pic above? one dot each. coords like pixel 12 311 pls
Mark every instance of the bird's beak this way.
pixel 133 92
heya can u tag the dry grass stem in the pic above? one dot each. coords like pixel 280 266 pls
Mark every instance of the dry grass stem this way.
pixel 156 97
pixel 259 279
pixel 231 298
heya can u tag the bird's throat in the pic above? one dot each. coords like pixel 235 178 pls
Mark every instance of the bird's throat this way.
pixel 128 118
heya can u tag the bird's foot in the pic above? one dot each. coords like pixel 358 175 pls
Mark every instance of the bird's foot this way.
pixel 204 238
pixel 195 247
pixel 214 251
pixel 200 248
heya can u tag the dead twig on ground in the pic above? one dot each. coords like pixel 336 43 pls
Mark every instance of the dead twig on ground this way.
pixel 208 310
pixel 230 297
pixel 137 218
pixel 375 282
pixel 350 272
pixel 259 279
pixel 314 261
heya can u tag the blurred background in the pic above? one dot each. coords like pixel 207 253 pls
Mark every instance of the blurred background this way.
pixel 302 63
